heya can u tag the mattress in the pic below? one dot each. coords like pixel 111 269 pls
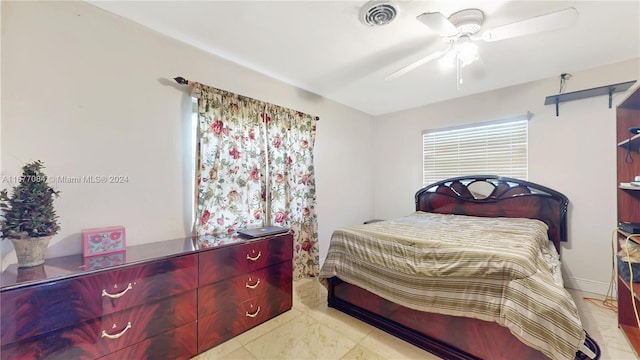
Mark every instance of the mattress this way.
pixel 494 269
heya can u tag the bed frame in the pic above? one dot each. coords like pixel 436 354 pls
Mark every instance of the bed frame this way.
pixel 454 337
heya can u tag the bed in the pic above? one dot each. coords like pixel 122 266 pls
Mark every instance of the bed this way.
pixel 473 273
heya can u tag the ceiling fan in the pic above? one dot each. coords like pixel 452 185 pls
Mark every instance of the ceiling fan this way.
pixel 460 34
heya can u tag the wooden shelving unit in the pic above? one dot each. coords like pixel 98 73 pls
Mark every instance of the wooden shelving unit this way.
pixel 628 208
pixel 624 235
pixel 629 325
pixel 632 334
pixel 633 141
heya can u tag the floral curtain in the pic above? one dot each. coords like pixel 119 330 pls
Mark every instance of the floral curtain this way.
pixel 238 137
pixel 291 136
pixel 229 182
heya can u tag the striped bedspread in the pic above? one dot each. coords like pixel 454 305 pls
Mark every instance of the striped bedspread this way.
pixel 492 269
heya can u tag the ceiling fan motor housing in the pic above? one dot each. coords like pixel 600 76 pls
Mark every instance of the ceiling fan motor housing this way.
pixel 468 21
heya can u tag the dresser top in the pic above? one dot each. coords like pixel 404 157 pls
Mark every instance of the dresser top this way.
pixel 76 265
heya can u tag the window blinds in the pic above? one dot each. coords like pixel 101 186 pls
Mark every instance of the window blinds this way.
pixel 498 148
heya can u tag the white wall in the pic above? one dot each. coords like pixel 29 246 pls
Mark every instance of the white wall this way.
pixel 90 93
pixel 574 153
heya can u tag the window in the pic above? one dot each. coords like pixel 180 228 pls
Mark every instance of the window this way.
pixel 495 148
pixel 193 159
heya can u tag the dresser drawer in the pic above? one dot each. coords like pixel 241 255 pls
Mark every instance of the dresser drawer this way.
pixel 233 319
pixel 34 310
pixel 275 278
pixel 104 335
pixel 256 311
pixel 177 344
pixel 227 262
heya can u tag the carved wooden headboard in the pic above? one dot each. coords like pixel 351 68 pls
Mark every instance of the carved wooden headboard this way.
pixel 495 196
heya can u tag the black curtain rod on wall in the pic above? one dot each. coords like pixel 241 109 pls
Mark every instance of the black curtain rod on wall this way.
pixel 182 81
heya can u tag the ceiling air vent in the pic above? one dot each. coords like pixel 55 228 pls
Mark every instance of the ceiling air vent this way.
pixel 378 13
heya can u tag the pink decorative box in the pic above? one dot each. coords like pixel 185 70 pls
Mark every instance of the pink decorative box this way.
pixel 102 241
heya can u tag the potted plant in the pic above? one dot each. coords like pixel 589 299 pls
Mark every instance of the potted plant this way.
pixel 29 218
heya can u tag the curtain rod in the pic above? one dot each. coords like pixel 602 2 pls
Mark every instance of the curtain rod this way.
pixel 182 81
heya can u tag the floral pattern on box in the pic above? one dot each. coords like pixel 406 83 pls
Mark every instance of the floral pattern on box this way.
pixel 102 241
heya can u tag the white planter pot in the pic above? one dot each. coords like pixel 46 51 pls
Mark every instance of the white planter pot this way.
pixel 31 251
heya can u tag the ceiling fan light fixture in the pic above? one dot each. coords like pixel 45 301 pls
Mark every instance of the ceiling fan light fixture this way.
pixel 378 13
pixel 467 52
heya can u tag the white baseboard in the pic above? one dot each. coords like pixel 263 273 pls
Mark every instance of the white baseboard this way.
pixel 596 287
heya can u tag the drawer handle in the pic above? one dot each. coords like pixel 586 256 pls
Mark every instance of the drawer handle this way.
pixel 254 258
pixel 115 296
pixel 253 286
pixel 115 336
pixel 254 314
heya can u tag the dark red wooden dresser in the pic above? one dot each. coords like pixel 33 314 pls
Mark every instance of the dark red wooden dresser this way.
pixel 167 300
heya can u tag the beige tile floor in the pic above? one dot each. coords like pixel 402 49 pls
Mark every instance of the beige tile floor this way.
pixel 311 330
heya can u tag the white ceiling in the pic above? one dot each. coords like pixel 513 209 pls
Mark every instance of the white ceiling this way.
pixel 322 47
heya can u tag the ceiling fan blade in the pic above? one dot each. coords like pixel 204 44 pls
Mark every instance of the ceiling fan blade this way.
pixel 416 64
pixel 552 21
pixel 438 23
